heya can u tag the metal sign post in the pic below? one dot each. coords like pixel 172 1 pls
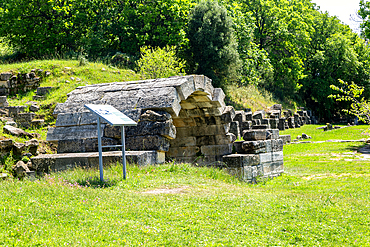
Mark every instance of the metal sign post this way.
pixel 114 118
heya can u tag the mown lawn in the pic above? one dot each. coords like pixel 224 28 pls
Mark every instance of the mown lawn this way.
pixel 323 199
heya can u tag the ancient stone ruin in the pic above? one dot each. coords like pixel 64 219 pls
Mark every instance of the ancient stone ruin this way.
pixel 22 82
pixel 182 118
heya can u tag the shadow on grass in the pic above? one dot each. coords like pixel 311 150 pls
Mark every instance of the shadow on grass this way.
pixel 94 182
pixel 363 148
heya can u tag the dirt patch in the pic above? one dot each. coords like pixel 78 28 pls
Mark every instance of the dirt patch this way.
pixel 166 191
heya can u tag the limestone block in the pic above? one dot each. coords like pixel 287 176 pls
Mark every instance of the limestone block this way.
pixel 37 123
pixel 16 132
pixel 34 108
pixel 247 125
pixel 265 121
pixel 4 84
pixel 183 151
pixel 237 172
pixel 15 110
pixel 71 146
pixel 216 149
pixel 240 116
pixel 41 91
pixel 286 139
pixel 256 147
pixel 68 119
pixel 5 76
pixel 265 157
pixel 274 123
pixel 281 124
pixel 219 97
pixel 197 112
pixel 211 120
pixel 241 160
pixel 149 142
pixel 203 83
pixel 214 140
pixel 277 156
pixel 267 169
pixel 3 101
pixel 234 128
pixel 277 107
pixel 258 115
pixel 183 142
pixel 237 146
pixel 166 129
pixel 254 135
pixel 202 130
pixel 256 122
pixel 73 133
pixel 248 116
pixel 272 134
pixel 250 173
pixel 32 146
pixel 228 115
pixel 24 117
pixel 184 122
pixel 277 145
pixel 260 127
pixel 91 145
pixel 277 168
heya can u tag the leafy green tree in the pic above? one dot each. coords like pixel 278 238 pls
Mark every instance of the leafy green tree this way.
pixel 352 93
pixel 159 63
pixel 334 53
pixel 39 27
pixel 212 43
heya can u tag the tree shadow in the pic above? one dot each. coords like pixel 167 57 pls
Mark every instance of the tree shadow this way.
pixel 94 182
pixel 364 148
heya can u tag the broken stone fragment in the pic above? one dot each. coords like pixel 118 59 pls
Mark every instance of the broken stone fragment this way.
pixel 155 116
pixel 32 146
pixel 16 131
pixel 254 135
pixel 228 115
pixel 20 169
pixel 256 147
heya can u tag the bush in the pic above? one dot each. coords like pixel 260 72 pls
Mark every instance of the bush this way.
pixel 159 63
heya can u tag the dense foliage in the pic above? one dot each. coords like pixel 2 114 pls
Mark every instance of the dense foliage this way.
pixel 288 47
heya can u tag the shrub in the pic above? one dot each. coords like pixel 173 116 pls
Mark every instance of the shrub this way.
pixel 159 63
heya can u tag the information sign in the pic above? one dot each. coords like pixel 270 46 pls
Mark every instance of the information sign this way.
pixel 116 118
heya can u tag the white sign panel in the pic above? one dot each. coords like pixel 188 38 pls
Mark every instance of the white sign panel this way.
pixel 111 115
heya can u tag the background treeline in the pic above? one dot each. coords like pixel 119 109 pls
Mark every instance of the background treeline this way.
pixel 287 47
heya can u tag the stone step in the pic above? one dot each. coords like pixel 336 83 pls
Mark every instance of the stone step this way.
pixel 46 163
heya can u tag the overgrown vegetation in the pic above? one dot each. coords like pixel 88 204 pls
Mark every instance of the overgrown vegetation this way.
pixel 321 200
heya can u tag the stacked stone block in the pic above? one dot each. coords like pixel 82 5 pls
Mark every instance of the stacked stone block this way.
pixel 259 155
pixel 22 82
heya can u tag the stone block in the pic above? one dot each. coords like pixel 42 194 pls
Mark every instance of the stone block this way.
pixel 219 96
pixel 248 116
pixel 256 122
pixel 183 142
pixel 277 107
pixel 286 139
pixel 247 125
pixel 215 140
pixel 3 101
pixel 260 127
pixel 184 122
pixel 5 76
pixel 272 134
pixel 265 157
pixel 254 135
pixel 73 133
pixel 149 142
pixel 202 130
pixel 15 110
pixel 212 120
pixel 238 147
pixel 250 173
pixel 240 116
pixel 274 123
pixel 258 115
pixel 256 147
pixel 277 145
pixel 265 121
pixel 211 150
pixel 228 115
pixel 234 128
pixel 277 156
pixel 241 160
pixel 42 91
pixel 183 151
pixel 37 123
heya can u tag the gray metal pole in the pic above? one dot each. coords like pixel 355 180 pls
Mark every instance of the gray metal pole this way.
pixel 123 151
pixel 100 152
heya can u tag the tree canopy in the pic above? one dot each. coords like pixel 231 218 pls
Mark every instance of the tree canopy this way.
pixel 288 47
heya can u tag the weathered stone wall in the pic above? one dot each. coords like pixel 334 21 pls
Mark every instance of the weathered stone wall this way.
pixel 22 82
pixel 185 117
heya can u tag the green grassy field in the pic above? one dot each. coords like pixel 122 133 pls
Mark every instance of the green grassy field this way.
pixel 323 199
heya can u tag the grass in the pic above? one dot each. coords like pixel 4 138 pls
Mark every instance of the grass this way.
pixel 321 200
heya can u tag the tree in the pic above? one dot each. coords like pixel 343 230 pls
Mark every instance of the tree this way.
pixel 212 43
pixel 352 93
